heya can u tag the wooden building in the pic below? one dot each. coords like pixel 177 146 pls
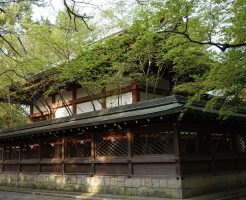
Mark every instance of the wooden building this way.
pixel 148 148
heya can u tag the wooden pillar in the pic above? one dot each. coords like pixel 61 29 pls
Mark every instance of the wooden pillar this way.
pixel 2 158
pixel 135 94
pixel 74 96
pixel 39 154
pixel 4 147
pixel 63 156
pixel 93 154
pixel 53 101
pixel 31 109
pixel 31 112
pixel 20 156
pixel 1 152
pixel 129 149
pixel 211 150
pixel 235 134
pixel 177 149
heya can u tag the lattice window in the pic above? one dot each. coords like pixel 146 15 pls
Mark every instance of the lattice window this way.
pixel 52 149
pixel 241 143
pixel 153 142
pixel 222 143
pixel 193 142
pixel 12 152
pixel 30 151
pixel 112 145
pixel 78 148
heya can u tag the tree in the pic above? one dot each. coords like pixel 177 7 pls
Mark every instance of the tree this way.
pixel 139 54
pixel 44 46
pixel 13 12
pixel 209 24
pixel 215 23
pixel 10 116
pixel 162 37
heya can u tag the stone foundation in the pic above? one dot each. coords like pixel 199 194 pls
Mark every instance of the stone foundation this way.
pixel 195 186
pixel 152 187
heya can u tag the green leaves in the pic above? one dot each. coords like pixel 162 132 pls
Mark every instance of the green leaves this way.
pixel 10 116
pixel 173 39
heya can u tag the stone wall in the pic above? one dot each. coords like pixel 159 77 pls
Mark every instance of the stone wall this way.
pixel 153 187
pixel 194 186
pixel 135 186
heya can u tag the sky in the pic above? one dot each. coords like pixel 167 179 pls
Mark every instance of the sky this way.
pixel 50 11
pixel 54 6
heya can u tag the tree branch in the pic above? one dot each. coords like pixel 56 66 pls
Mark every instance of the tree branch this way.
pixel 75 15
pixel 222 46
pixel 14 71
pixel 10 45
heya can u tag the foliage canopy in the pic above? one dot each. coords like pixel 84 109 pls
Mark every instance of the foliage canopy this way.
pixel 199 45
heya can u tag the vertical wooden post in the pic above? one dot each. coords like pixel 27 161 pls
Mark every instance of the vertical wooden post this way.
pixel 236 151
pixel 39 154
pixel 4 147
pixel 177 149
pixel 74 96
pixel 93 153
pixel 135 94
pixel 129 149
pixel 31 109
pixel 53 101
pixel 63 156
pixel 2 152
pixel 31 112
pixel 2 158
pixel 211 150
pixel 20 156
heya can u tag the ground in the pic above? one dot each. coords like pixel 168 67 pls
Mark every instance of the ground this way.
pixel 23 196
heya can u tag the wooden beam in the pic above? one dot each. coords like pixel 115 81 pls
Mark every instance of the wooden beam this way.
pixel 63 155
pixel 93 154
pixel 1 161
pixel 129 149
pixel 212 162
pixel 135 94
pixel 100 95
pixel 31 112
pixel 3 157
pixel 74 97
pixel 89 98
pixel 177 149
pixel 20 155
pixel 53 106
pixel 39 154
pixel 235 134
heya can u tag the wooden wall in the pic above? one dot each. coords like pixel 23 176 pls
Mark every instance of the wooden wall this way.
pixel 212 147
pixel 186 148
pixel 144 151
pixel 78 100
